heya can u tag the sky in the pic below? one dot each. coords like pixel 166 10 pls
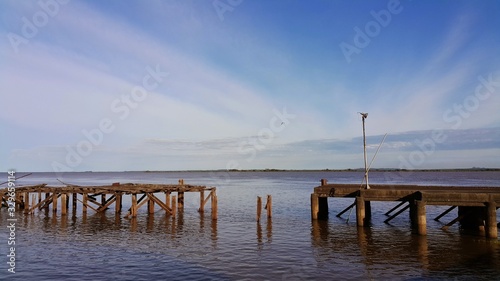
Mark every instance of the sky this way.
pixel 239 84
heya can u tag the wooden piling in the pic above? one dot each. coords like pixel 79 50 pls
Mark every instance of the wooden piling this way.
pixel 491 220
pixel 269 206
pixel 259 207
pixel 421 218
pixel 26 202
pixel 54 202
pixel 151 206
pixel 322 208
pixel 180 200
pixel 74 202
pixel 63 204
pixel 167 199
pixel 118 203
pixel 314 206
pixel 214 206
pixel 202 202
pixel 133 209
pixel 174 205
pixel 360 211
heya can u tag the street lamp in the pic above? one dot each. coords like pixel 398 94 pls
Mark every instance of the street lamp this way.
pixel 363 117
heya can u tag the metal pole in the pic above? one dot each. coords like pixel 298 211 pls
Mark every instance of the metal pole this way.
pixel 364 115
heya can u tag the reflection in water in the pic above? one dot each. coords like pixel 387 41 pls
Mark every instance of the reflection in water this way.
pixel 269 233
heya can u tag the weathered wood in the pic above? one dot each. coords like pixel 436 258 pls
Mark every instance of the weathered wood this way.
pixel 269 206
pixel 108 203
pixel 118 202
pixel 259 207
pixel 360 211
pixel 346 209
pixel 491 220
pixel 161 204
pixel 167 199
pixel 214 207
pixel 397 213
pixel 73 204
pixel 174 205
pixel 26 202
pixel 180 201
pixel 323 208
pixel 133 209
pixel 444 213
pixel 395 208
pixel 314 206
pixel 63 204
pixel 151 205
pixel 84 202
pixel 85 205
pixel 202 202
pixel 54 202
pixel 421 218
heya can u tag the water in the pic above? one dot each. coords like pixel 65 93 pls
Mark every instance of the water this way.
pixel 236 247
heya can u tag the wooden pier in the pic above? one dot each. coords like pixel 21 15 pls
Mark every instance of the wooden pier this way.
pixel 101 198
pixel 477 206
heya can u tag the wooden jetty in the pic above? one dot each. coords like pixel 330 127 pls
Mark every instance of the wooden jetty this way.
pixel 39 197
pixel 477 206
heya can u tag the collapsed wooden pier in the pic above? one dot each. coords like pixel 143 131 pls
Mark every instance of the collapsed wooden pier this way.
pixel 42 197
pixel 477 206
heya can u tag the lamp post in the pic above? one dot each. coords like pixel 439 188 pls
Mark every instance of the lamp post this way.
pixel 363 117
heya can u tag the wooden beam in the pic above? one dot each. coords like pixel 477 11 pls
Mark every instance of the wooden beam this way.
pixel 214 206
pixel 346 209
pixel 396 207
pixel 54 202
pixel 85 205
pixel 174 205
pixel 133 209
pixel 161 204
pixel 397 213
pixel 444 213
pixel 314 206
pixel 108 203
pixel 202 200
pixel 421 218
pixel 118 202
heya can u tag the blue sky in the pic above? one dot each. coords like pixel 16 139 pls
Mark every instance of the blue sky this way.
pixel 180 85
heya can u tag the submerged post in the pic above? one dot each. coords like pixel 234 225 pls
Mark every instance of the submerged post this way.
pixel 314 206
pixel 259 207
pixel 360 211
pixel 421 218
pixel 491 220
pixel 269 206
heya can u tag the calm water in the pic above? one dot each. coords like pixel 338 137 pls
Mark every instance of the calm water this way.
pixel 236 247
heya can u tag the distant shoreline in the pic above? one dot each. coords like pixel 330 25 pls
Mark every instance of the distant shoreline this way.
pixel 294 170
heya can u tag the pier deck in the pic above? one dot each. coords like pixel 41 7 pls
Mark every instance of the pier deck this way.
pixel 42 196
pixel 476 205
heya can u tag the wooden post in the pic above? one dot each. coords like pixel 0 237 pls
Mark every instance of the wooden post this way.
pixel 39 196
pixel 202 200
pixel 324 181
pixel 84 202
pixel 54 202
pixel 118 202
pixel 491 220
pixel 214 206
pixel 421 218
pixel 174 205
pixel 103 199
pixel 151 206
pixel 314 206
pixel 167 199
pixel 133 209
pixel 63 204
pixel 180 200
pixel 269 206
pixel 73 205
pixel 360 211
pixel 26 202
pixel 259 207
